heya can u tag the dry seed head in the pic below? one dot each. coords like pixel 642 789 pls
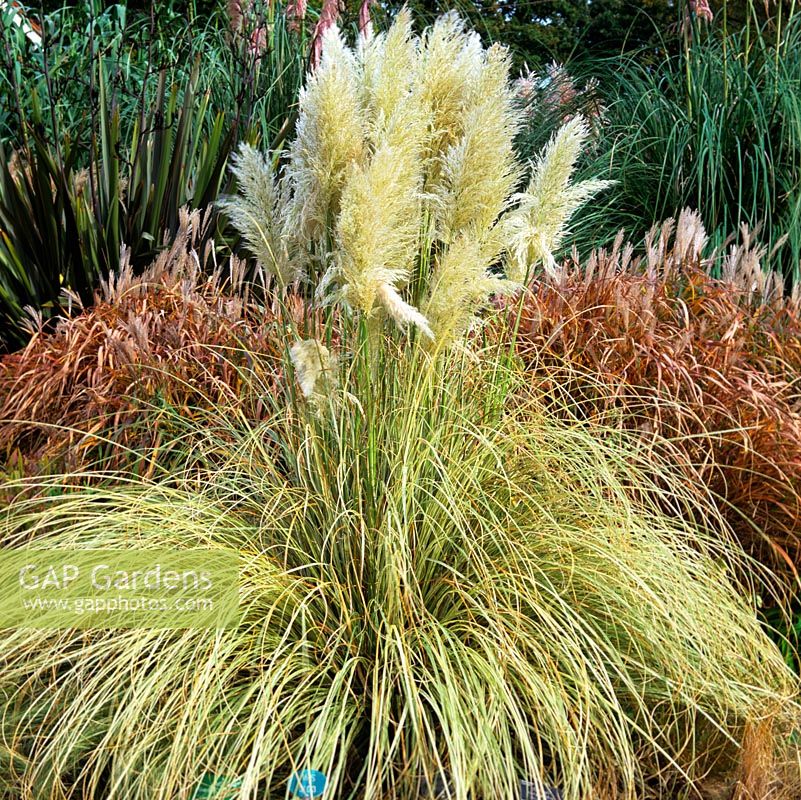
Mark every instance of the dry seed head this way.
pixel 451 61
pixel 258 211
pixel 315 368
pixel 539 223
pixel 389 67
pixel 743 266
pixel 402 312
pixel 657 247
pixel 460 285
pixel 329 138
pixel 378 226
pixel 691 237
pixel 477 178
pixel 406 144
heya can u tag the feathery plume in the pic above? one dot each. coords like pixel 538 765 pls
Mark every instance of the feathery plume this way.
pixel 691 237
pixel 295 13
pixel 257 213
pixel 389 63
pixel 537 226
pixel 478 177
pixel 378 227
pixel 461 285
pixel 329 138
pixel 329 14
pixel 402 312
pixel 365 20
pixel 450 63
pixel 235 15
pixel 701 9
pixel 315 369
pixel 742 267
pixel 672 247
pixel 404 158
pixel 247 20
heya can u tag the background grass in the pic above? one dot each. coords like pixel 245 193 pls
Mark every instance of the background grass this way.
pixel 106 141
pixel 705 363
pixel 713 127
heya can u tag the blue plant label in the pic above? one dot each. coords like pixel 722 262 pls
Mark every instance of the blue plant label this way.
pixel 529 790
pixel 307 783
pixel 217 787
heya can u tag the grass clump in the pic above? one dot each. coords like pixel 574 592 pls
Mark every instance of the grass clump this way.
pixel 170 338
pixel 710 365
pixel 441 581
pixel 433 585
pixel 711 126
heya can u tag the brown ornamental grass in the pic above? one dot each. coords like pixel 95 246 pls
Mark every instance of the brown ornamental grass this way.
pixel 176 338
pixel 711 365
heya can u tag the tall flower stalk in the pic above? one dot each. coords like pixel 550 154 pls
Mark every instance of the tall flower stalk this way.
pixel 396 200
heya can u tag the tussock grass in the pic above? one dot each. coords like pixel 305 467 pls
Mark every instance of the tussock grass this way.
pixel 168 338
pixel 436 581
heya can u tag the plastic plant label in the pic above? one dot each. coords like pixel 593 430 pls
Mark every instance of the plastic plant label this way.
pixel 307 783
pixel 217 787
pixel 529 790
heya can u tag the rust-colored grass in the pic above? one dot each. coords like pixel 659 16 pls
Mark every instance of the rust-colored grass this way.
pixel 713 365
pixel 176 338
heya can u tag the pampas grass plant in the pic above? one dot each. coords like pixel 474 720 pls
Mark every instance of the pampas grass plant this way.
pixel 442 585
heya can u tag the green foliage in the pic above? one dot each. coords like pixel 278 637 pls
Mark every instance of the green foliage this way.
pixel 40 247
pixel 715 127
pixel 784 627
pixel 63 228
pixel 128 144
pixel 52 86
pixel 557 29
